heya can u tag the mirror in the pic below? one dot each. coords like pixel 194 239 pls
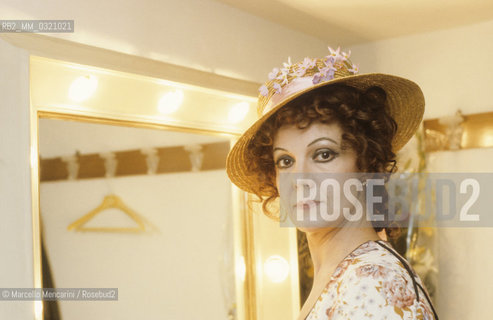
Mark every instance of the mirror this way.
pixel 133 194
pixel 177 189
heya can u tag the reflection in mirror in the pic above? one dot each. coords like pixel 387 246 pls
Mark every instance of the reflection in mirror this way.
pixel 146 211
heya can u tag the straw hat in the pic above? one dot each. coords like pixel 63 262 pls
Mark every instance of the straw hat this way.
pixel 405 102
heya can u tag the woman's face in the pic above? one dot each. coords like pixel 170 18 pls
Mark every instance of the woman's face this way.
pixel 315 153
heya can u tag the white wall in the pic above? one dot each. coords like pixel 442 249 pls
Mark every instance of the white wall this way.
pixel 464 290
pixel 16 267
pixel 202 34
pixel 452 66
pixel 454 69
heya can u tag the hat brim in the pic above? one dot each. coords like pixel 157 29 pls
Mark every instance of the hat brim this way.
pixel 405 103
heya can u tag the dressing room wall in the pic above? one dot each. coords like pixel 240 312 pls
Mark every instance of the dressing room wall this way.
pixel 205 35
pixel 201 34
pixel 15 183
pixel 454 70
pixel 452 67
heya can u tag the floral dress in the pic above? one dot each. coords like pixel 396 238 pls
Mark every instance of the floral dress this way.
pixel 373 282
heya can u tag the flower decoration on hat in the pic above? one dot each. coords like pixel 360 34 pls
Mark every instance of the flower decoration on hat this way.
pixel 335 65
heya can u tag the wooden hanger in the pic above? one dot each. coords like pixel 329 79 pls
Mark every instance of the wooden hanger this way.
pixel 109 201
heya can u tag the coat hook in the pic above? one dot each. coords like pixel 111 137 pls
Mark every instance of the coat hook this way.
pixel 196 156
pixel 152 159
pixel 72 163
pixel 110 163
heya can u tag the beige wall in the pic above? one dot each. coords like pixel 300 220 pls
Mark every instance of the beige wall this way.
pixel 452 66
pixel 16 268
pixel 202 34
pixel 454 69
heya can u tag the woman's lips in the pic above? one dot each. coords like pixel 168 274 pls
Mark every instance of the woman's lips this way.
pixel 306 204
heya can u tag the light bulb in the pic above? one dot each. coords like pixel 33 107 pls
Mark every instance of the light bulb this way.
pixel 83 88
pixel 241 268
pixel 238 112
pixel 38 309
pixel 276 268
pixel 170 102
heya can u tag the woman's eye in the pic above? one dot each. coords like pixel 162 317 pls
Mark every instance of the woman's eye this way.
pixel 284 162
pixel 324 155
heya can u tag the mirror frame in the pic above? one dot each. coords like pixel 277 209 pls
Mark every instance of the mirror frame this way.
pixel 53 48
pixel 245 291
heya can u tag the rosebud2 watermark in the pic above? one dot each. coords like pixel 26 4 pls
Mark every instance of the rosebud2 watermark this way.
pixel 432 199
pixel 36 26
pixel 73 294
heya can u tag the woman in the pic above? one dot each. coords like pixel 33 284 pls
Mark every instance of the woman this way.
pixel 319 117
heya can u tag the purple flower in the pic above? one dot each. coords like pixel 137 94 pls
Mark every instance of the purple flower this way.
pixel 317 77
pixel 329 73
pixel 273 74
pixel 324 74
pixel 329 60
pixel 336 54
pixel 278 88
pixel 263 90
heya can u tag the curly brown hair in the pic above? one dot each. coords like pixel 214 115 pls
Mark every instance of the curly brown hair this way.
pixel 367 128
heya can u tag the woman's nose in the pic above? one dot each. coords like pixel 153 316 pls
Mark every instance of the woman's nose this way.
pixel 301 179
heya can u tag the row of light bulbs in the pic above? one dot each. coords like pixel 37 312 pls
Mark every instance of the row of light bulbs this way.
pixel 84 87
pixel 275 268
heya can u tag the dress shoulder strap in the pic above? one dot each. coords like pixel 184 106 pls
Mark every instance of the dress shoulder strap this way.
pixel 406 265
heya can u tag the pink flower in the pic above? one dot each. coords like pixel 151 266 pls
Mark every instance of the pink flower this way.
pixel 364 248
pixel 397 292
pixel 341 268
pixel 336 56
pixel 308 63
pixel 372 270
pixel 346 56
pixel 330 312
pixel 300 72
pixel 425 311
pixel 287 65
pixel 285 70
pixel 283 76
pixel 354 69
pixel 335 53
